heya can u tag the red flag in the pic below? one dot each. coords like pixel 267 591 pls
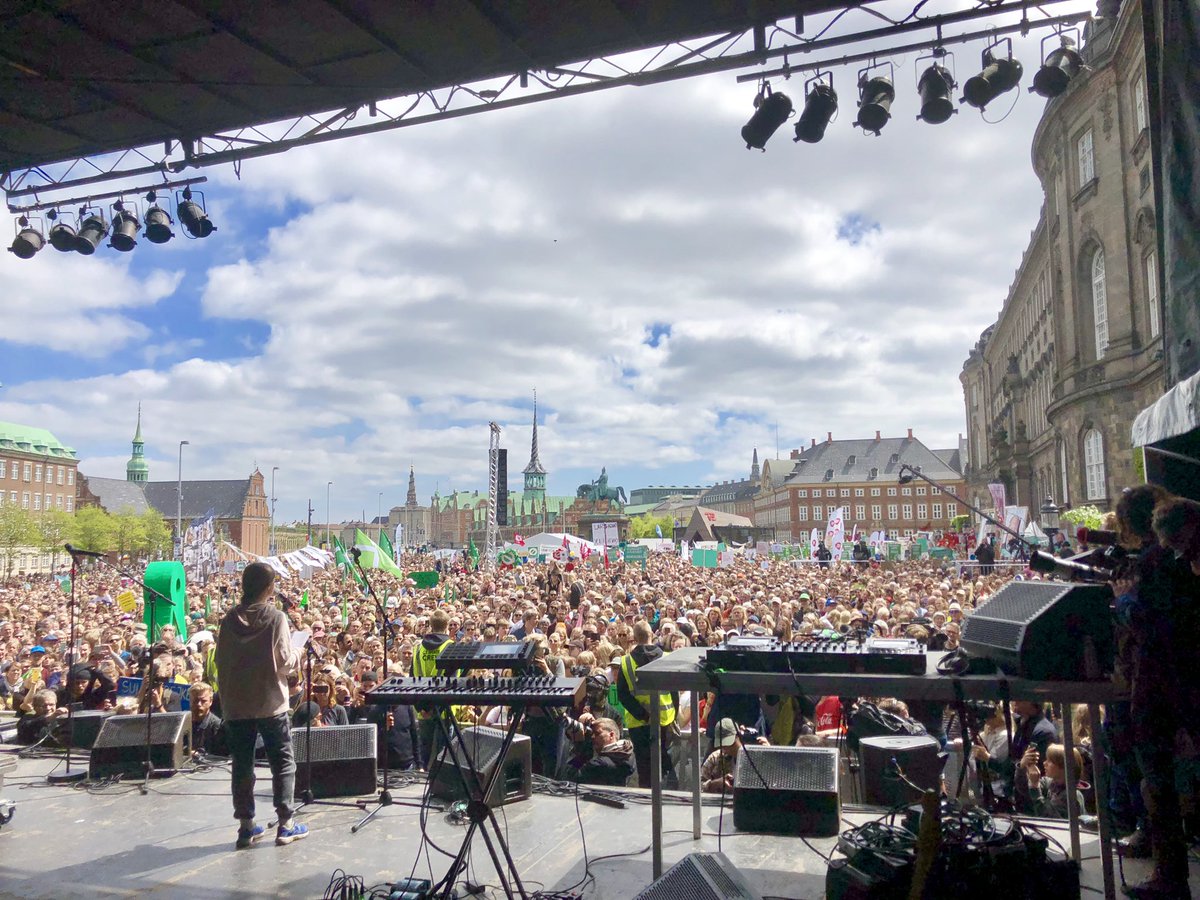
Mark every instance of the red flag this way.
pixel 566 543
pixel 519 540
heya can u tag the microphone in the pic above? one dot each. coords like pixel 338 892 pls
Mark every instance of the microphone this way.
pixel 356 553
pixel 75 551
pixel 1096 537
pixel 1043 562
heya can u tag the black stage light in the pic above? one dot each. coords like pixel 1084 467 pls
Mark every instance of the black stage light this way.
pixel 770 111
pixel 62 235
pixel 158 221
pixel 875 96
pixel 194 216
pixel 92 230
pixel 936 87
pixel 125 226
pixel 820 103
pixel 29 240
pixel 1057 69
pixel 1000 74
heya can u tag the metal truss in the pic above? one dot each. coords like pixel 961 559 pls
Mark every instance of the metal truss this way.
pixel 489 561
pixel 672 62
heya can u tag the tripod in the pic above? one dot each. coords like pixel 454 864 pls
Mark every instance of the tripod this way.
pixel 386 627
pixel 70 775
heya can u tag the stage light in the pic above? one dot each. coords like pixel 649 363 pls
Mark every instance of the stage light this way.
pixel 62 235
pixel 875 96
pixel 820 103
pixel 1000 74
pixel 906 476
pixel 158 221
pixel 1057 69
pixel 125 226
pixel 194 216
pixel 936 87
pixel 770 111
pixel 29 240
pixel 92 230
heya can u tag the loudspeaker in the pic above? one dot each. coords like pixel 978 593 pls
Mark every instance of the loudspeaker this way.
pixel 787 790
pixel 701 876
pixel 918 757
pixel 1036 629
pixel 120 747
pixel 481 749
pixel 82 729
pixel 343 760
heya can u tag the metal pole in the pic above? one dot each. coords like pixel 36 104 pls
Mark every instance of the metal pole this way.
pixel 493 489
pixel 179 503
pixel 328 542
pixel 379 515
pixel 274 469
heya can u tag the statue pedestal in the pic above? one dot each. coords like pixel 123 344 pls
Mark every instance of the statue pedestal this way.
pixel 600 511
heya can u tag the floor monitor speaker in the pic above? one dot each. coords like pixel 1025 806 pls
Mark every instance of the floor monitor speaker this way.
pixel 480 749
pixel 120 746
pixel 701 876
pixel 787 790
pixel 343 760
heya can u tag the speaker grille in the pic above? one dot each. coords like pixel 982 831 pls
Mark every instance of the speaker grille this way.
pixel 807 769
pixel 481 745
pixel 700 876
pixel 335 742
pixel 1021 601
pixel 127 731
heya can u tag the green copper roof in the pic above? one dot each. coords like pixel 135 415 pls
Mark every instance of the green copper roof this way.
pixel 26 439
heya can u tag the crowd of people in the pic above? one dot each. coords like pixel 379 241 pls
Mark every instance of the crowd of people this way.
pixel 599 623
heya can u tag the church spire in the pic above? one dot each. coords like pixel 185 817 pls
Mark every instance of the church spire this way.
pixel 535 465
pixel 411 500
pixel 137 469
pixel 755 472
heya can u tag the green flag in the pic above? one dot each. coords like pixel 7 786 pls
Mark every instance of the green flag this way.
pixel 304 600
pixel 345 612
pixel 473 552
pixel 385 545
pixel 373 557
pixel 343 561
pixel 207 609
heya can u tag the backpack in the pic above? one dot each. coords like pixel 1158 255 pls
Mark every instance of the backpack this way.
pixel 870 721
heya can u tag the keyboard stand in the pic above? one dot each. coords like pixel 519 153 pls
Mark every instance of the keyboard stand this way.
pixel 479 814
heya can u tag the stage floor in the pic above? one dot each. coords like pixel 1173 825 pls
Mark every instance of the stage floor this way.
pixel 177 841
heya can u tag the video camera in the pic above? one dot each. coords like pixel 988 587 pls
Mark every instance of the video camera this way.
pixel 1096 571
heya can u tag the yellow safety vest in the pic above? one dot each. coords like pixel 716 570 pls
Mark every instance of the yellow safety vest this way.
pixel 666 709
pixel 423 659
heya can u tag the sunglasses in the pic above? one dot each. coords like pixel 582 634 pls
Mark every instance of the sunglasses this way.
pixel 320 689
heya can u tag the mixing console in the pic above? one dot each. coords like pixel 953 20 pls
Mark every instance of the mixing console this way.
pixel 827 656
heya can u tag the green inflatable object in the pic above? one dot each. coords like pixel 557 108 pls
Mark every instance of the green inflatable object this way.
pixel 168 579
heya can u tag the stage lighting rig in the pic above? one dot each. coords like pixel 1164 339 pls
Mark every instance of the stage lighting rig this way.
pixel 820 104
pixel 62 234
pixel 92 230
pixel 1000 75
pixel 1059 67
pixel 193 215
pixel 158 221
pixel 875 97
pixel 125 226
pixel 936 87
pixel 29 240
pixel 770 111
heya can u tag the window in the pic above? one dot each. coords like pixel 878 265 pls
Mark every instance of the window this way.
pixel 876 512
pixel 28 471
pixel 37 501
pixel 70 477
pixel 874 492
pixel 58 501
pixel 907 508
pixel 845 492
pixel 893 535
pixel 831 493
pixel 907 492
pixel 817 513
pixel 908 532
pixel 891 492
pixel 1093 465
pixel 802 494
pixel 49 501
pixel 3 469
pixel 893 511
pixel 1139 104
pixel 1099 303
pixel 37 472
pixel 860 492
pixel 60 474
pixel 70 503
pixel 860 512
pixel 830 510
pixel 1151 269
pixel 25 500
pixel 802 513
pixel 921 491
pixel 1062 468
pixel 1087 160
pixel 12 496
pixel 922 511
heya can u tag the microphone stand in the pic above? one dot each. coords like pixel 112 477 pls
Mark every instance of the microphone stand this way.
pixel 70 775
pixel 387 630
pixel 908 473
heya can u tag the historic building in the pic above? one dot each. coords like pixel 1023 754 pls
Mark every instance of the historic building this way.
pixel 736 497
pixel 1051 389
pixel 238 506
pixel 37 471
pixel 416 521
pixel 860 475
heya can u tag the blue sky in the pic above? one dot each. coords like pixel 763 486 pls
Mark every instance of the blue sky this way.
pixel 369 304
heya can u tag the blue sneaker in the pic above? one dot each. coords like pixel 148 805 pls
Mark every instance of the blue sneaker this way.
pixel 293 833
pixel 247 836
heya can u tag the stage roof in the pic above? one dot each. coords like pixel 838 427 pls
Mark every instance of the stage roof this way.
pixel 83 78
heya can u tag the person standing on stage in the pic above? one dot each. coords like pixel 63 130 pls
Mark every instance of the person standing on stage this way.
pixel 637 707
pixel 255 653
pixel 423 666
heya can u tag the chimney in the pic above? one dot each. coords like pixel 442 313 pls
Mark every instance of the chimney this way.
pixel 829 437
pixel 814 442
pixel 877 437
pixel 910 434
pixel 795 454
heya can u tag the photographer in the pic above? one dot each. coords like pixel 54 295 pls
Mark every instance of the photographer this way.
pixel 545 728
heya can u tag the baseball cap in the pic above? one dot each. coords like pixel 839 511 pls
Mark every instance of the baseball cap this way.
pixel 50 637
pixel 37 649
pixel 954 606
pixel 726 734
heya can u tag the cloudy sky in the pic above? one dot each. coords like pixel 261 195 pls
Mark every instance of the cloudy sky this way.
pixel 673 297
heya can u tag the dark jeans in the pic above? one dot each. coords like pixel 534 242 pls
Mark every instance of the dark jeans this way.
pixel 642 737
pixel 429 736
pixel 277 740
pixel 547 739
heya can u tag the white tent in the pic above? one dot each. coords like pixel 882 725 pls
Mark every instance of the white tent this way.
pixel 552 540
pixel 1034 534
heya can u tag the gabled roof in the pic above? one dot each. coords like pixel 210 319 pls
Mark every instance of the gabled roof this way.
pixel 852 461
pixel 27 439
pixel 740 490
pixel 224 499
pixel 952 458
pixel 116 495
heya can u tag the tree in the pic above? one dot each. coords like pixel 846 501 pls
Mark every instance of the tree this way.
pixel 1083 517
pixel 156 540
pixel 643 526
pixel 17 529
pixel 127 531
pixel 54 528
pixel 94 529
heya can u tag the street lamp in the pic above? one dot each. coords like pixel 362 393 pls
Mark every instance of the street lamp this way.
pixel 179 502
pixel 274 469
pixel 1050 522
pixel 328 542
